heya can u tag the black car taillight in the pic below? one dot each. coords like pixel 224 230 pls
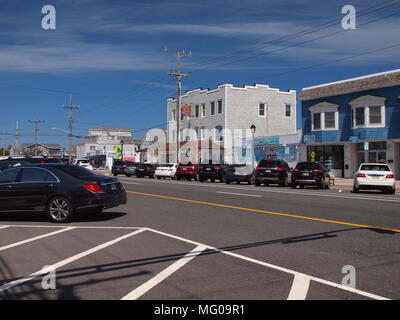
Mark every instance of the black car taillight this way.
pixel 94 187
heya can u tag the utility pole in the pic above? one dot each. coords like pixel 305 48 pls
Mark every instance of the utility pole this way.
pixel 17 134
pixel 37 122
pixel 178 75
pixel 4 141
pixel 70 121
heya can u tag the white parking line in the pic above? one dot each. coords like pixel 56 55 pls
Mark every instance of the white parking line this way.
pixel 15 244
pixel 281 190
pixel 240 194
pixel 141 290
pixel 299 288
pixel 68 260
pixel 3 227
pixel 275 267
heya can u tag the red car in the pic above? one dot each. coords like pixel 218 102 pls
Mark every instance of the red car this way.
pixel 186 171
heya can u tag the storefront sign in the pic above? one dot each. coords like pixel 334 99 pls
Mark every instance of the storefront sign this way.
pixel 186 110
pixel 354 139
pixel 310 138
pixel 266 141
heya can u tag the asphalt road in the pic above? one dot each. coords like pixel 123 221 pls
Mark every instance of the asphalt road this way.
pixel 191 240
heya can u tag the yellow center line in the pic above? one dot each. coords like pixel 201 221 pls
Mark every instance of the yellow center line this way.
pixel 261 211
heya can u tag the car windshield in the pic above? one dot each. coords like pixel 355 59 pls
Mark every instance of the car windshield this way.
pixel 166 165
pixel 374 167
pixel 243 170
pixel 269 163
pixel 119 163
pixel 308 166
pixel 76 171
pixel 131 164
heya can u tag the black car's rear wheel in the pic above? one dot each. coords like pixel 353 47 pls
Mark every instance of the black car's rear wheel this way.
pixel 60 210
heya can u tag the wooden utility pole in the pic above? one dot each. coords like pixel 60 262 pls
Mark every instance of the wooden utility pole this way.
pixel 37 122
pixel 70 121
pixel 178 75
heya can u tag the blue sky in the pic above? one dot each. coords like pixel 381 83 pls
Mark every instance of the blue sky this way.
pixel 109 54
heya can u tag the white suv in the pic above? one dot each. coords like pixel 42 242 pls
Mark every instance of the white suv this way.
pixel 374 176
pixel 83 163
pixel 167 170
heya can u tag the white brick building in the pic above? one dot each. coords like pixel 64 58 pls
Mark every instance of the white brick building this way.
pixel 229 111
pixel 101 142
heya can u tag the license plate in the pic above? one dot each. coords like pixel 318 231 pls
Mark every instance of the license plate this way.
pixel 306 174
pixel 141 169
pixel 267 170
pixel 208 169
pixel 184 169
pixel 375 177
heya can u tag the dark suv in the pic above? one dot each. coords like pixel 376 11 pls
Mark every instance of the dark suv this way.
pixel 213 172
pixel 310 173
pixel 118 167
pixel 273 172
pixel 145 170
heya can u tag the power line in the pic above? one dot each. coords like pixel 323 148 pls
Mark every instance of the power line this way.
pixel 37 122
pixel 295 35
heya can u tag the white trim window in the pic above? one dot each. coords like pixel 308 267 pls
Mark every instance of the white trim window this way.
pixel 368 112
pixel 288 110
pixel 203 110
pixel 262 110
pixel 324 117
pixel 220 107
pixel 196 111
pixel 212 108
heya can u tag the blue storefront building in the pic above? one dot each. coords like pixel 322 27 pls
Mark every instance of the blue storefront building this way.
pixel 349 122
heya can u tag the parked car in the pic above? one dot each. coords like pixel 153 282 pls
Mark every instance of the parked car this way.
pixel 83 163
pixel 374 176
pixel 131 168
pixel 118 167
pixel 187 171
pixel 240 174
pixel 20 161
pixel 145 170
pixel 167 170
pixel 310 173
pixel 213 172
pixel 60 190
pixel 273 172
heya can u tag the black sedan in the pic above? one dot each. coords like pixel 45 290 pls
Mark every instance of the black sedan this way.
pixel 240 174
pixel 60 190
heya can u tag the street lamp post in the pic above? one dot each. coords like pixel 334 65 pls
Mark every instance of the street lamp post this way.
pixel 122 150
pixel 253 130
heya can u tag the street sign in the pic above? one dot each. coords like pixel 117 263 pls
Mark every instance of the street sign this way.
pixel 118 152
pixel 366 146
pixel 309 138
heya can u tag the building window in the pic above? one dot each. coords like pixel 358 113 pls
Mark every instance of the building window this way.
pixel 173 115
pixel 375 115
pixel 196 110
pixel 202 133
pixel 261 110
pixel 316 121
pixel 330 120
pixel 220 109
pixel 212 108
pixel 203 110
pixel 288 110
pixel 359 116
pixel 218 133
pixel 368 111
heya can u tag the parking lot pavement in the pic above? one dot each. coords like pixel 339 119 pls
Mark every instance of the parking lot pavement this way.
pixel 143 263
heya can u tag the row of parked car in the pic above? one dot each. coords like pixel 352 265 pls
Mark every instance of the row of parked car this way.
pixel 267 172
pixel 370 176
